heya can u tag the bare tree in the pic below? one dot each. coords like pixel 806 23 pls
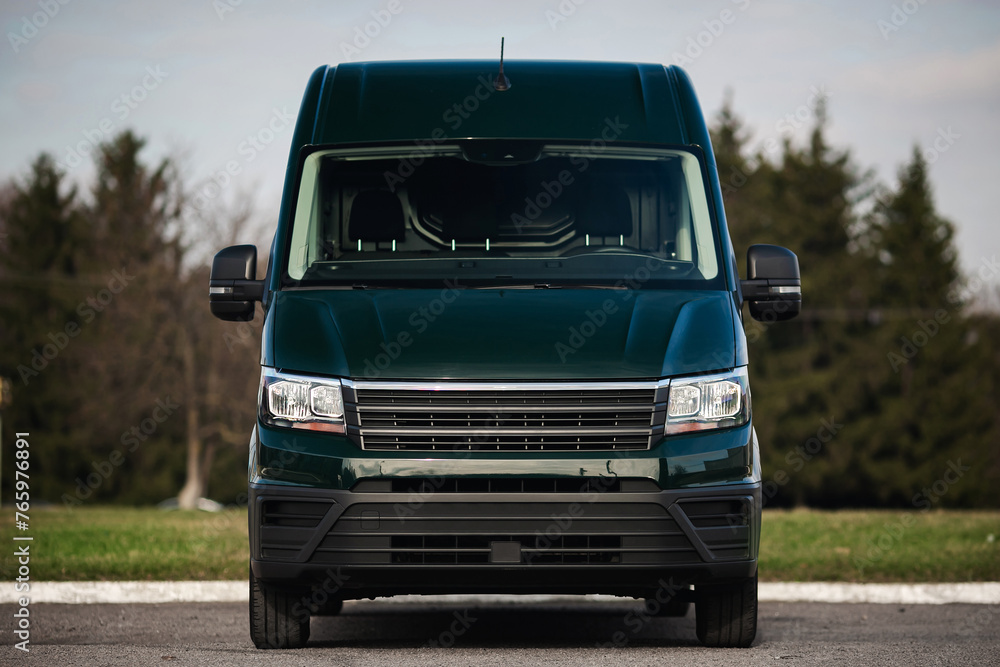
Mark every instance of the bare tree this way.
pixel 219 376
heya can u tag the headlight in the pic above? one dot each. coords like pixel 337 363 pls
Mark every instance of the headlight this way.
pixel 299 401
pixel 708 401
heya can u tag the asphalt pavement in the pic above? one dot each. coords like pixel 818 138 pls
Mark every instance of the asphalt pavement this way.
pixel 573 634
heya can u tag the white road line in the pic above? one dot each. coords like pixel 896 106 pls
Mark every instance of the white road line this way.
pixel 133 592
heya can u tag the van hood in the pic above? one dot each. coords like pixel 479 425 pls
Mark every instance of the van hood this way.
pixel 500 334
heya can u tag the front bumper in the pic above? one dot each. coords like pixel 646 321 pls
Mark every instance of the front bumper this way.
pixel 503 534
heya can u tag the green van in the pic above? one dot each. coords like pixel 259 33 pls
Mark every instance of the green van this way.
pixel 503 347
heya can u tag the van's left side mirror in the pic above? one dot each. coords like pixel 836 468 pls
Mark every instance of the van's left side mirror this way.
pixel 232 288
pixel 773 287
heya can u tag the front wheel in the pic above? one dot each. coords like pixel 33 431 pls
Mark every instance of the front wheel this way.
pixel 726 614
pixel 278 619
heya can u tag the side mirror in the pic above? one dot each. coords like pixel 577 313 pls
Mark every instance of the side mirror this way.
pixel 773 287
pixel 231 286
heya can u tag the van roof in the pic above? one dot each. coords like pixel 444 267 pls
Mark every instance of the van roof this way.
pixel 449 99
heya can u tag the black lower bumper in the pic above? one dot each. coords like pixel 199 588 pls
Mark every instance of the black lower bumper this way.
pixel 441 537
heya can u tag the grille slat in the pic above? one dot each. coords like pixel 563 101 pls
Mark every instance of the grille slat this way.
pixel 501 443
pixel 524 549
pixel 515 425
pixel 508 485
pixel 446 431
pixel 443 405
pixel 495 418
pixel 293 514
pixel 425 533
pixel 498 517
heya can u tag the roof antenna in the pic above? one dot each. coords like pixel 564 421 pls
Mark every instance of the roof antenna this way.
pixel 501 82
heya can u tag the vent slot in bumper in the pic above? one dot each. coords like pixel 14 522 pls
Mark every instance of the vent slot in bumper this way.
pixel 722 525
pixel 457 534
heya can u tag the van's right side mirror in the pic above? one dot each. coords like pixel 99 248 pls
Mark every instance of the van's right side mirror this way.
pixel 773 287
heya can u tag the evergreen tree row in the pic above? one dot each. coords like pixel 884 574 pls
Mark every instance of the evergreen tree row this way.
pixel 126 383
pixel 883 393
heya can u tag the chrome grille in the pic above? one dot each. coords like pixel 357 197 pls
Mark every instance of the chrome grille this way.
pixel 561 417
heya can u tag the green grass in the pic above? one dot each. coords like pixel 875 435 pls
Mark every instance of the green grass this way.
pixel 129 544
pixel 880 546
pixel 110 543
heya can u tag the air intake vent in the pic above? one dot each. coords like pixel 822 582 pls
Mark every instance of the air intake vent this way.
pixel 287 525
pixel 723 525
pixel 545 533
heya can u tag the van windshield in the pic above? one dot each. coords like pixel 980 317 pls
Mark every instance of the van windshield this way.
pixel 495 214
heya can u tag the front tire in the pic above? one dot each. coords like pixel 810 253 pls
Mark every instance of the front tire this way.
pixel 726 615
pixel 273 623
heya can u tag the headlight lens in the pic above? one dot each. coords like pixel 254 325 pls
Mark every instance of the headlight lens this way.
pixel 298 401
pixel 327 401
pixel 708 402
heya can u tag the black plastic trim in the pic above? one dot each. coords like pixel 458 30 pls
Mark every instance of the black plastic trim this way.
pixel 292 564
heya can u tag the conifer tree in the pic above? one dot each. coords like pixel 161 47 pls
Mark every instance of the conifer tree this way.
pixel 918 265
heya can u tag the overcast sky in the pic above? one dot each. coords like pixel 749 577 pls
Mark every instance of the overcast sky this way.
pixel 198 77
